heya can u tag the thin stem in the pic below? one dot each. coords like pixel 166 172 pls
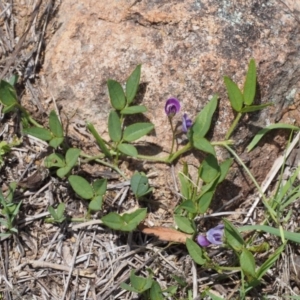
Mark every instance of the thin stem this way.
pixel 247 171
pixel 233 126
pixel 173 134
pixel 96 158
pixel 264 199
pixel 153 158
pixel 29 118
pixel 222 143
pixel 174 156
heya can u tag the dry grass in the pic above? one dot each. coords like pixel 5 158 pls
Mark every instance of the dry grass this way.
pixel 87 260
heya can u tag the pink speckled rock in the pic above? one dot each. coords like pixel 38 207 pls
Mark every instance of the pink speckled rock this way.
pixel 185 48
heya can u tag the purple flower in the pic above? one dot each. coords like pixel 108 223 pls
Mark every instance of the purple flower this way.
pixel 186 123
pixel 172 107
pixel 213 236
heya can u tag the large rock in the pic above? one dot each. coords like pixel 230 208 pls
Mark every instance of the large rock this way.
pixel 185 48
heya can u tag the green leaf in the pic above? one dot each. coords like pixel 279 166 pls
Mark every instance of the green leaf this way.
pixel 189 206
pixel 139 184
pixel 5 235
pixel 100 186
pixel 285 192
pixel 250 83
pixel 55 142
pixel 204 118
pixel 141 284
pixel 156 292
pixel 62 172
pixel 212 296
pixel 114 126
pixel 204 201
pixel 54 160
pixel 10 108
pixel 58 213
pixel 135 217
pixel 235 95
pixel 127 222
pixel 55 125
pixel 224 168
pixel 195 252
pixel 40 133
pixel 252 108
pixel 203 144
pixel 137 109
pixel 135 131
pixel 132 84
pixel 262 132
pixel 11 190
pixel 127 287
pixel 60 210
pixel 113 221
pixel 99 140
pixel 211 186
pixel 233 237
pixel 81 187
pixel 184 224
pixel 209 169
pixel 8 94
pixel 185 185
pixel 116 94
pixel 292 236
pixel 72 157
pixel 96 203
pixel 128 149
pixel 247 263
pixel 263 269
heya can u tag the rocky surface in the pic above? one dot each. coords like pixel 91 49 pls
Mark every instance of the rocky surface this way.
pixel 185 48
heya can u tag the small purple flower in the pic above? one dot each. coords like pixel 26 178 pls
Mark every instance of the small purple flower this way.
pixel 213 236
pixel 172 107
pixel 186 123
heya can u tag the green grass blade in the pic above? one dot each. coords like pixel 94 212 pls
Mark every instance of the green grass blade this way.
pixel 250 83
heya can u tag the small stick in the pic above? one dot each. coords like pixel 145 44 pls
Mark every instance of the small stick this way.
pixel 43 264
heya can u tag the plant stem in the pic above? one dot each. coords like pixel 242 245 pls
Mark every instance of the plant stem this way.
pixel 153 158
pixel 233 125
pixel 247 170
pixel 222 143
pixel 100 161
pixel 173 135
pixel 175 155
pixel 264 199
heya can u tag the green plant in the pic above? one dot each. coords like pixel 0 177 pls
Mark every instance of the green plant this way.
pixel 241 101
pixel 93 192
pixel 5 148
pixel 196 193
pixel 140 185
pixel 148 288
pixel 57 215
pixel 125 222
pixel 55 136
pixel 64 164
pixel 9 211
pixel 9 99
